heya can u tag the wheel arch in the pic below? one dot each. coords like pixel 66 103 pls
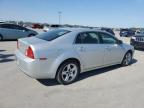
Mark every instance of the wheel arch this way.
pixel 127 52
pixel 130 50
pixel 31 34
pixel 68 60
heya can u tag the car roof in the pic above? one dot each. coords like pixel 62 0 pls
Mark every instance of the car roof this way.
pixel 8 23
pixel 82 29
pixel 127 30
pixel 11 24
pixel 106 28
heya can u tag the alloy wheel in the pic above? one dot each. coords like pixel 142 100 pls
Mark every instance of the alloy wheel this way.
pixel 128 58
pixel 69 72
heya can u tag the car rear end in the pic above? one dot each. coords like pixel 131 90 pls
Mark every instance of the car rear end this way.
pixel 137 41
pixel 36 56
pixel 30 61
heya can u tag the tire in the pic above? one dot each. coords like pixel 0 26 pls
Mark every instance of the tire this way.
pixel 127 59
pixel 31 35
pixel 68 72
pixel 120 34
pixel 1 38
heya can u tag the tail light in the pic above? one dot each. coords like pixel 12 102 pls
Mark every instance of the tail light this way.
pixel 29 53
pixel 17 45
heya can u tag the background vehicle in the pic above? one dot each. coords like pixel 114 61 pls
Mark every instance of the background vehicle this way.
pixel 126 32
pixel 108 30
pixel 37 26
pixel 46 28
pixel 11 31
pixel 64 53
pixel 138 41
pixel 140 31
pixel 50 27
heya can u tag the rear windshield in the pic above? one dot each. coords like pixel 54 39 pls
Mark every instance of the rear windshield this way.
pixel 51 35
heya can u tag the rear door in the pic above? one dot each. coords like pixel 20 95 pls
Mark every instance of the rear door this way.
pixel 113 52
pixel 6 31
pixel 10 31
pixel 19 32
pixel 89 49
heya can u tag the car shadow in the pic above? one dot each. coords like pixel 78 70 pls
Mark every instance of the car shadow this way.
pixel 48 82
pixel 133 61
pixel 6 57
pixel 85 75
pixel 2 50
pixel 101 71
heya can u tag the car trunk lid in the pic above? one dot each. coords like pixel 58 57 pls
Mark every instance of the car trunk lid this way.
pixel 24 43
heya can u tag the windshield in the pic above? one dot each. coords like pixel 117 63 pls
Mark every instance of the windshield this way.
pixel 139 36
pixel 53 34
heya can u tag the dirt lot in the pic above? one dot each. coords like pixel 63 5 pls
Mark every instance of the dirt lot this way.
pixel 112 87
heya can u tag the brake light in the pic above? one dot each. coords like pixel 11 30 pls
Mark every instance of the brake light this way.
pixel 29 53
pixel 17 45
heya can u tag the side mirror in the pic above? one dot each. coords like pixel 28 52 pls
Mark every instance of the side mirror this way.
pixel 120 42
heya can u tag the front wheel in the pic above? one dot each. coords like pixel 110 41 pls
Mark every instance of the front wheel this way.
pixel 127 59
pixel 68 72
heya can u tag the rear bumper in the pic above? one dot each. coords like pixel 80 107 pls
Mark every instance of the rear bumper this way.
pixel 34 68
pixel 137 44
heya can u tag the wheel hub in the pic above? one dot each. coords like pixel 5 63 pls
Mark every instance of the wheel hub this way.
pixel 69 72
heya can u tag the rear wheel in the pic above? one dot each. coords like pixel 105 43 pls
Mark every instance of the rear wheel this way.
pixel 1 38
pixel 127 59
pixel 31 35
pixel 68 72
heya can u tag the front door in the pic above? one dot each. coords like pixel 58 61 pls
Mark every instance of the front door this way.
pixel 89 49
pixel 113 52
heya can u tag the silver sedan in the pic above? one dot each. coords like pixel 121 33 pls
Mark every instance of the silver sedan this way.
pixel 12 31
pixel 65 53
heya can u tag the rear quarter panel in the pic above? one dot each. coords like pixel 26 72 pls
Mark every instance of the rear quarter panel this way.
pixel 5 33
pixel 58 53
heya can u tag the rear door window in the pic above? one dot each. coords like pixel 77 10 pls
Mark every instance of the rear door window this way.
pixel 88 38
pixel 16 27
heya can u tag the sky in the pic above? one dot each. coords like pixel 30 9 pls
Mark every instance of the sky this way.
pixel 108 13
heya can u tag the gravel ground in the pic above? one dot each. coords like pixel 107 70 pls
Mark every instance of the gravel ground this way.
pixel 112 87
